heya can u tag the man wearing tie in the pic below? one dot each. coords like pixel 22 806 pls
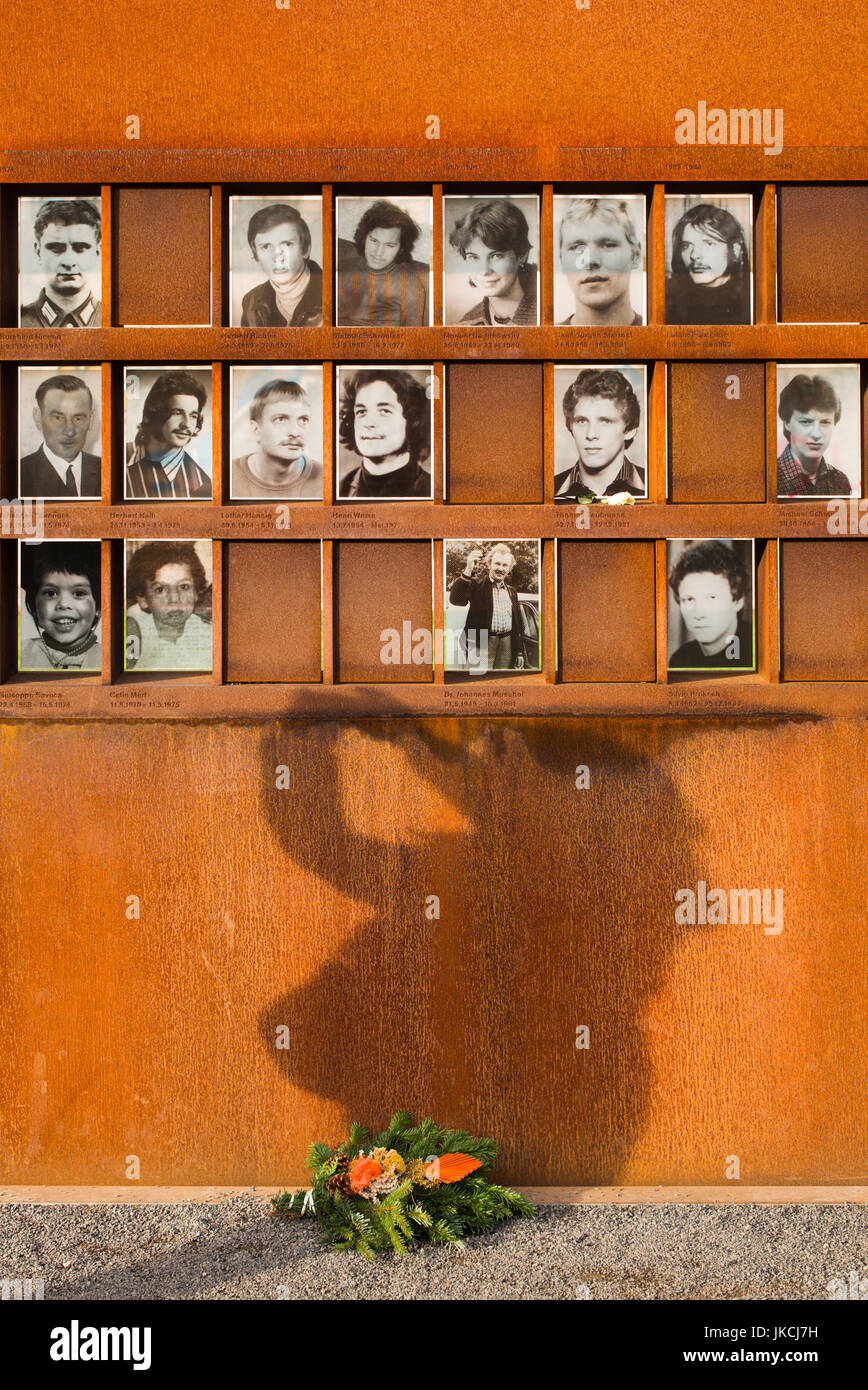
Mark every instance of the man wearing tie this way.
pixel 63 414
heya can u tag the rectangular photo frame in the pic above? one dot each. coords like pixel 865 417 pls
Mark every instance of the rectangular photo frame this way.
pixel 276 432
pixel 60 607
pixel 386 449
pixel 491 260
pixel 275 260
pixel 384 253
pixel 599 259
pixel 819 430
pixel 168 606
pixel 492 606
pixel 60 432
pixel 600 444
pixel 711 606
pixel 709 258
pixel 168 452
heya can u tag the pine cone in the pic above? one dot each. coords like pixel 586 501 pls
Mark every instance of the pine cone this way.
pixel 339 1183
pixel 340 1178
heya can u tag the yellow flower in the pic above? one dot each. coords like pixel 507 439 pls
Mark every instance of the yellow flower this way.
pixel 389 1160
pixel 418 1176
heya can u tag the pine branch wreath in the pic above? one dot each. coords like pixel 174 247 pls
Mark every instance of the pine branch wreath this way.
pixel 407 1184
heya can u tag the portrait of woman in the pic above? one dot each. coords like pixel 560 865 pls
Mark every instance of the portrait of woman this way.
pixel 381 279
pixel 709 277
pixel 493 240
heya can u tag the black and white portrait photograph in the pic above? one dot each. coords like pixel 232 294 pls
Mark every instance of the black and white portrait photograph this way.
pixel 385 430
pixel 60 432
pixel 709 258
pixel 276 433
pixel 601 433
pixel 491 260
pixel 710 605
pixel 167 433
pixel 599 260
pixel 59 266
pixel 492 606
pixel 819 443
pixel 275 261
pixel 59 603
pixel 384 261
pixel 168 617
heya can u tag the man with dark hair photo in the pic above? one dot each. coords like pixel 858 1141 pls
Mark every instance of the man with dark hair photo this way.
pixel 291 297
pixel 166 585
pixel 710 269
pixel 67 235
pixel 158 465
pixel 493 240
pixel 385 419
pixel 61 583
pixel 63 414
pixel 280 421
pixel 601 415
pixel 379 282
pixel 809 409
pixel 710 586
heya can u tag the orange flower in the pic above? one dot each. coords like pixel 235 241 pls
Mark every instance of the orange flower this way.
pixel 362 1172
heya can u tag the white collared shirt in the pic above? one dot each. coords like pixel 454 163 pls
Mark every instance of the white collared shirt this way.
pixel 62 466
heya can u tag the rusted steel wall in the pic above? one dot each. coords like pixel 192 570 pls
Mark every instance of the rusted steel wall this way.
pixel 304 908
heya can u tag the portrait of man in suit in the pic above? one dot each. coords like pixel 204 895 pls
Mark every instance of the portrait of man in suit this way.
pixel 61 467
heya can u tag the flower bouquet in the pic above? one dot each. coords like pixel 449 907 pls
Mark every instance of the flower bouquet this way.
pixel 408 1184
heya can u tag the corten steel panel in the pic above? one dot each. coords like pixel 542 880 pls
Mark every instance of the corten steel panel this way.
pixel 272 610
pixel 495 423
pixel 716 445
pixel 824 270
pixel 163 256
pixel 667 58
pixel 305 908
pixel 380 585
pixel 607 628
pixel 824 610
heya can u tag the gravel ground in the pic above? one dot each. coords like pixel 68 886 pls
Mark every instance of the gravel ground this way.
pixel 237 1249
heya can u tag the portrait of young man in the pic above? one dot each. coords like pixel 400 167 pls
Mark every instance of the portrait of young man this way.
pixel 58 417
pixel 275 274
pixel 59 606
pixel 59 241
pixel 385 429
pixel 165 417
pixel 168 623
pixel 497 582
pixel 599 247
pixel 710 613
pixel 708 274
pixel 603 410
pixel 383 261
pixel 276 438
pixel 818 431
